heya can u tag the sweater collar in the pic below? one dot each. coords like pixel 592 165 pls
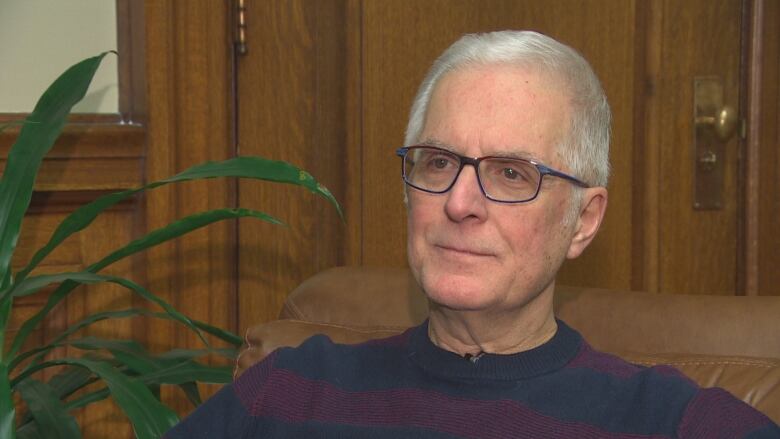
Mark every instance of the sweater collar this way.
pixel 550 356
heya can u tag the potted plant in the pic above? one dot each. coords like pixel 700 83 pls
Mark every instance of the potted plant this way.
pixel 129 373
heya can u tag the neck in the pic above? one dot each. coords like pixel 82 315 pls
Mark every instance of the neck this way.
pixel 471 333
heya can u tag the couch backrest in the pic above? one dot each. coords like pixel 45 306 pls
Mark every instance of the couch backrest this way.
pixel 730 342
pixel 611 320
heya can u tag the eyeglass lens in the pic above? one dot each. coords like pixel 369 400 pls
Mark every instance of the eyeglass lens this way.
pixel 502 179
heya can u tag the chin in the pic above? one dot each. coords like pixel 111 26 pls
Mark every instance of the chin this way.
pixel 459 292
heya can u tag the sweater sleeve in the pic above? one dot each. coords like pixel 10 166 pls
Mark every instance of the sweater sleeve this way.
pixel 714 413
pixel 223 416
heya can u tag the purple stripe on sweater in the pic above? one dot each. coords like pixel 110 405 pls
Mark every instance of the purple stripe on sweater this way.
pixel 250 386
pixel 602 362
pixel 713 413
pixel 291 398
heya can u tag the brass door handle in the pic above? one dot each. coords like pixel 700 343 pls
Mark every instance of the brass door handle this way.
pixel 714 125
pixel 724 122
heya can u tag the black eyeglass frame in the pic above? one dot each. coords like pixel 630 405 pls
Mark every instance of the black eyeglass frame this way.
pixel 475 161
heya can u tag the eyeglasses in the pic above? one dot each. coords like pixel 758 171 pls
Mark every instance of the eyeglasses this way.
pixel 502 179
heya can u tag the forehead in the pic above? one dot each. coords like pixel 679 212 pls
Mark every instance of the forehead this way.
pixel 497 110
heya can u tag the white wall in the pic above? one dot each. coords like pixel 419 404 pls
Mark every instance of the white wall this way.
pixel 39 39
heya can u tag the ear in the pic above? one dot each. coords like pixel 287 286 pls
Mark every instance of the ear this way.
pixel 594 204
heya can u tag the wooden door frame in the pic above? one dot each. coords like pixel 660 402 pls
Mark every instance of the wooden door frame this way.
pixel 759 143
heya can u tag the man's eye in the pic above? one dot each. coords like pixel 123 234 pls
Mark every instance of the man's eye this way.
pixel 439 163
pixel 511 174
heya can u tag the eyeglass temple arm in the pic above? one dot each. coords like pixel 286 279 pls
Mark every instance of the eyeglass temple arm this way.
pixel 547 171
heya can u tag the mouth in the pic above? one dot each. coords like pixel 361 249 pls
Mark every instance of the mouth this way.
pixel 464 251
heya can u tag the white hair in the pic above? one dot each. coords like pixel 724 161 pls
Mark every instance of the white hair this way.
pixel 585 148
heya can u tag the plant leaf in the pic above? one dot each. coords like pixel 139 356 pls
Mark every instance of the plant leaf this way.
pixel 35 283
pixel 39 352
pixel 6 306
pixel 174 375
pixel 34 141
pixel 170 231
pixel 7 410
pixel 189 354
pixel 29 430
pixel 29 325
pixel 192 393
pixel 69 380
pixel 241 167
pixel 86 321
pixel 88 398
pixel 48 411
pixel 179 228
pixel 222 334
pixel 188 371
pixel 149 417
pixel 127 352
pixel 64 383
pixel 5 313
pixel 175 367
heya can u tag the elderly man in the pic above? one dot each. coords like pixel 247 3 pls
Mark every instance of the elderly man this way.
pixel 505 171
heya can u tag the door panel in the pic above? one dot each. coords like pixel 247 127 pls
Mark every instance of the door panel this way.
pixel 292 106
pixel 697 248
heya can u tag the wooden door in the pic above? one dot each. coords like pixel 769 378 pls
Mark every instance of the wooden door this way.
pixel 327 85
pixel 293 106
pixel 688 249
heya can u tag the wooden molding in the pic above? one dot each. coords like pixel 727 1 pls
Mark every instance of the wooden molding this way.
pixel 88 157
pixel 648 205
pixel 754 88
pixel 67 201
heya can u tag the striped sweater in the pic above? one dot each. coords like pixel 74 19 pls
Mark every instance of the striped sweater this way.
pixel 406 387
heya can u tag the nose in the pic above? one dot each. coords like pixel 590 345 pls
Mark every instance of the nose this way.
pixel 465 199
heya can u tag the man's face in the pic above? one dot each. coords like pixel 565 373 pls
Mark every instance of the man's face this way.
pixel 470 253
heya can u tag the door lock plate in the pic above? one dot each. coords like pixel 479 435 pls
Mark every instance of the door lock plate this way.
pixel 714 124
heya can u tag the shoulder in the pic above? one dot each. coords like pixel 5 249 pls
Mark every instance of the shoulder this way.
pixel 319 360
pixel 649 399
pixel 319 354
pixel 715 413
pixel 666 396
pixel 589 360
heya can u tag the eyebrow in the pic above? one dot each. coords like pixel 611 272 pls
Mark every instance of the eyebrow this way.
pixel 500 153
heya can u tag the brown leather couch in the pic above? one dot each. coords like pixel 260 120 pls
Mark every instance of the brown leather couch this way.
pixel 730 342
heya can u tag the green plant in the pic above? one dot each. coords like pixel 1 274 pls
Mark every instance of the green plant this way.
pixel 129 374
